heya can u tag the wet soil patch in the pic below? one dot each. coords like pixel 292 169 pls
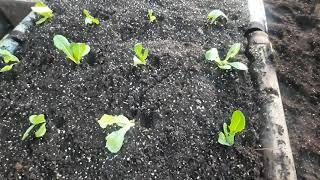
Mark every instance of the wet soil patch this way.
pixel 179 101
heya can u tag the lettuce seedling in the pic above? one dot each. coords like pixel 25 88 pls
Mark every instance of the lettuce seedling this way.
pixel 238 123
pixel 216 15
pixel 151 16
pixel 9 59
pixel 36 120
pixel 140 54
pixel 114 140
pixel 74 51
pixel 213 55
pixel 43 10
pixel 89 18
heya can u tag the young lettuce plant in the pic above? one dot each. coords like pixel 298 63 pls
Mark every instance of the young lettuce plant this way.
pixel 151 16
pixel 116 138
pixel 216 15
pixel 213 55
pixel 89 18
pixel 36 120
pixel 238 123
pixel 43 10
pixel 9 59
pixel 140 54
pixel 74 51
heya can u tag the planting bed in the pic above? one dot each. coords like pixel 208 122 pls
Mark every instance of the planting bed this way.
pixel 178 100
pixel 295 33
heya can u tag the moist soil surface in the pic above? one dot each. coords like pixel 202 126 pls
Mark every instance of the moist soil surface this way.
pixel 178 100
pixel 294 28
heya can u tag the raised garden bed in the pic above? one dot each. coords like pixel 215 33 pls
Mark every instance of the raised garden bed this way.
pixel 179 100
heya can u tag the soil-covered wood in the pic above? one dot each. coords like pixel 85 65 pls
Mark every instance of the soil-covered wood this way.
pixel 295 33
pixel 179 101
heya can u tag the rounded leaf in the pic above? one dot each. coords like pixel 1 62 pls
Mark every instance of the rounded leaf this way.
pixel 238 122
pixel 79 50
pixel 37 119
pixel 212 55
pixel 63 44
pixel 115 139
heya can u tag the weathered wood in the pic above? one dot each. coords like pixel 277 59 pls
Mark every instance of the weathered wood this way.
pixel 279 163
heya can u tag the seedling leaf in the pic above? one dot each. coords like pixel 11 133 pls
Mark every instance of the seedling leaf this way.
pixel 151 16
pixel 238 122
pixel 137 61
pixel 41 131
pixel 140 55
pixel 233 51
pixel 26 134
pixel 108 120
pixel 89 18
pixel 237 125
pixel 8 57
pixel 63 44
pixel 74 51
pixel 215 14
pixel 43 10
pixel 115 139
pixel 37 119
pixel 212 55
pixel 238 65
pixel 138 48
pixel 145 54
pixel 222 139
pixel 7 68
pixel 41 20
pixel 79 50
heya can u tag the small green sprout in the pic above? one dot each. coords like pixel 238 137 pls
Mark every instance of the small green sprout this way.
pixel 238 123
pixel 36 120
pixel 9 59
pixel 116 138
pixel 151 16
pixel 74 51
pixel 89 18
pixel 213 55
pixel 140 55
pixel 216 15
pixel 43 10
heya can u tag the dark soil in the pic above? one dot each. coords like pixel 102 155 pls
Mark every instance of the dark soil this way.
pixel 178 100
pixel 295 33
